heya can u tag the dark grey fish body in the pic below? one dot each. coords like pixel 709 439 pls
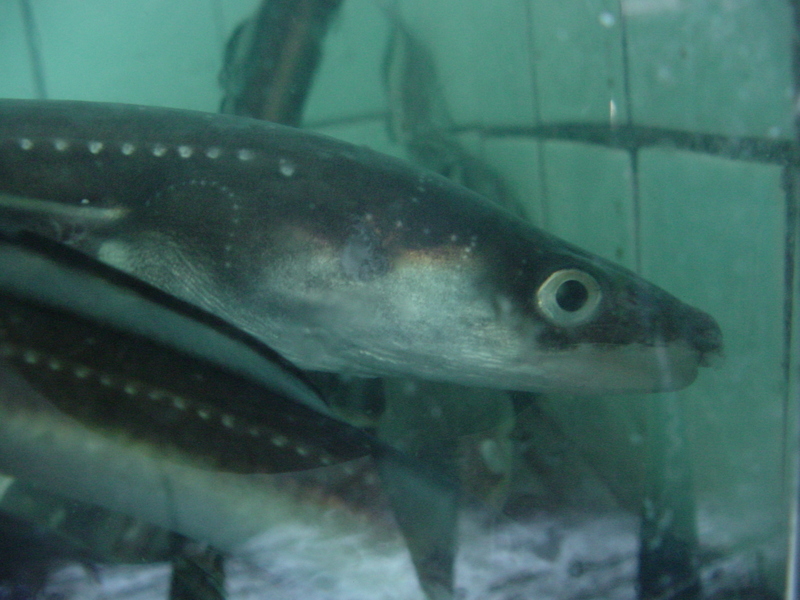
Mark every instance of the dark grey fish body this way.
pixel 131 362
pixel 338 257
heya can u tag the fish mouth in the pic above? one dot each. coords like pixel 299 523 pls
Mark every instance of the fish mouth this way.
pixel 628 368
pixel 705 336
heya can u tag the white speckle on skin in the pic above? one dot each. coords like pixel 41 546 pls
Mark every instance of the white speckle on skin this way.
pixel 156 395
pixel 245 154
pixel 454 238
pixel 26 144
pixel 302 450
pixel 204 414
pixel 228 421
pixel 504 306
pixel 254 431
pixel 55 364
pixel 127 148
pixel 286 167
pixel 31 357
pixel 179 402
pixel 213 152
pixel 95 147
pixel 106 380
pixel 60 144
pixel 185 151
pixel 279 441
pixel 131 388
pixel 159 150
pixel 81 372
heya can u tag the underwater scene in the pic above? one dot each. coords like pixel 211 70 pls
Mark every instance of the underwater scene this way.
pixel 399 299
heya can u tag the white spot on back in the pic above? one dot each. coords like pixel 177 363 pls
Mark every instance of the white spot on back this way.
pixel 128 148
pixel 185 151
pixel 159 150
pixel 302 450
pixel 60 144
pixel 286 167
pixel 213 152
pixel 26 144
pixel 95 147
pixel 245 154
pixel 81 372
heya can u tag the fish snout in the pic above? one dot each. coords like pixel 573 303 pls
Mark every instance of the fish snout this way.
pixel 704 335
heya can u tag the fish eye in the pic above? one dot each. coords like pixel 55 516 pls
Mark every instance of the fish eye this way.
pixel 568 297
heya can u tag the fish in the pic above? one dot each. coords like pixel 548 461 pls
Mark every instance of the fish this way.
pixel 131 362
pixel 339 258
pixel 271 58
pixel 156 381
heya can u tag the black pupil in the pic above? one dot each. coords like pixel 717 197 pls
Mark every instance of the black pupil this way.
pixel 572 295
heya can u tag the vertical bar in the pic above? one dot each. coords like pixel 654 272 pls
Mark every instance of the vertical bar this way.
pixel 34 51
pixel 668 544
pixel 792 378
pixel 668 536
pixel 791 412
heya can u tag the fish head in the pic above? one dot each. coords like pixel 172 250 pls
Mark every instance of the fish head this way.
pixel 584 324
pixel 434 282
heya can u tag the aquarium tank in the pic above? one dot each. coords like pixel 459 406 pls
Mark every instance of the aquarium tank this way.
pixel 399 299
